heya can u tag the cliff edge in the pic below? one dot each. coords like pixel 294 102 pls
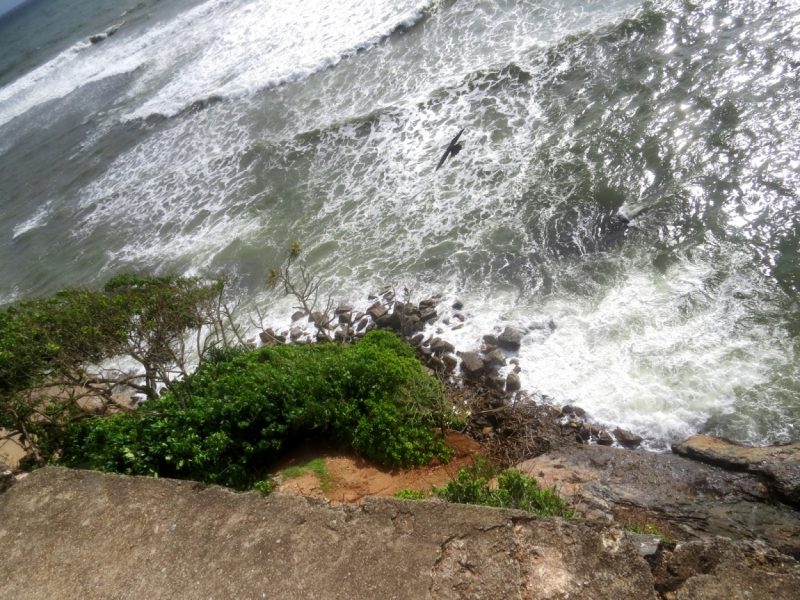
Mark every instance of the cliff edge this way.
pixel 81 534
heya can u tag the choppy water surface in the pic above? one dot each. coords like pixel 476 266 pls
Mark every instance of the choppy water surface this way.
pixel 209 135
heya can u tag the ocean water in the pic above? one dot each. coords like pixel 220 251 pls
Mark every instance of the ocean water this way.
pixel 627 192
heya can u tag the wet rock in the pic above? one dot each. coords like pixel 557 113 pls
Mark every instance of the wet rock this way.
pixel 269 336
pixel 358 316
pixel 97 38
pixel 435 363
pixel 514 361
pixel 392 322
pixel 411 325
pixel 584 432
pixel 377 310
pixel 460 317
pixel 685 499
pixel 339 336
pixel 417 339
pixel 441 346
pixel 626 438
pixel 604 439
pixel 495 382
pixel 458 305
pixel 319 318
pixel 345 317
pixel 472 364
pixel 343 308
pixel 780 465
pixel 517 369
pixel 450 362
pixel 490 339
pixel 425 351
pixel 362 324
pixel 457 327
pixel 296 316
pixel 494 359
pixel 510 338
pixel 513 383
pixel 567 410
pixel 427 314
pixel 295 333
pixel 428 304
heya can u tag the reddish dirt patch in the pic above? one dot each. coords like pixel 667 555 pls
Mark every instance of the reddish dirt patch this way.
pixel 353 477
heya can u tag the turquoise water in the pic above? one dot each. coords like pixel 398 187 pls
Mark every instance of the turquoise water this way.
pixel 629 173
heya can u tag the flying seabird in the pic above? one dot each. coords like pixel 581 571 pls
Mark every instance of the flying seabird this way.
pixel 453 149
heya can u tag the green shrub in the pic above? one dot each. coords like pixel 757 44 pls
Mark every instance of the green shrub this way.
pixel 409 494
pixel 514 490
pixel 264 486
pixel 240 409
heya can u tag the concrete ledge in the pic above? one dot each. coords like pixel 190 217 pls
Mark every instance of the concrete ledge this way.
pixel 81 534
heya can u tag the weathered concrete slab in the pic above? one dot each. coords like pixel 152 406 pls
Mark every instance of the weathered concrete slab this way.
pixel 80 534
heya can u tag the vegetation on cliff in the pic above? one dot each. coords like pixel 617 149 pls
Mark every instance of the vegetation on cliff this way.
pixel 242 408
pixel 512 490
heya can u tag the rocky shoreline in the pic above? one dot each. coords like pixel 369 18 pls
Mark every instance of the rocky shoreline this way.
pixel 707 487
pixel 723 518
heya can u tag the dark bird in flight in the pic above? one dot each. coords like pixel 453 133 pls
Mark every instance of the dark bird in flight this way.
pixel 453 149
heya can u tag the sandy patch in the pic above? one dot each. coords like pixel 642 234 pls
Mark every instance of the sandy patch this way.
pixel 352 477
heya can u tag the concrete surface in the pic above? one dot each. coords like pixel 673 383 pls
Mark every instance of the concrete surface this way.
pixel 81 534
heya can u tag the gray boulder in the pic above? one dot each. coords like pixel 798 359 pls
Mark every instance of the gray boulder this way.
pixel 510 338
pixel 472 365
pixel 512 382
pixel 626 438
pixel 494 359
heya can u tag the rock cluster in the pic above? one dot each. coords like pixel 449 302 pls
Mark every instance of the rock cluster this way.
pixel 493 367
pixel 685 499
pixel 779 465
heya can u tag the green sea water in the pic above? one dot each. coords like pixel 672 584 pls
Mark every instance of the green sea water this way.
pixel 627 193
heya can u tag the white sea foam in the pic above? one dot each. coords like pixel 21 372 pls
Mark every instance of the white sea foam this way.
pixel 348 169
pixel 220 49
pixel 38 219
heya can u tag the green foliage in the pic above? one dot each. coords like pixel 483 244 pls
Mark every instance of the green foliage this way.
pixel 241 409
pixel 63 341
pixel 649 528
pixel 265 486
pixel 409 494
pixel 514 490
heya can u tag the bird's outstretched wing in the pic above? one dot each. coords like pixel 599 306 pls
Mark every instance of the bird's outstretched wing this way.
pixel 444 158
pixel 449 150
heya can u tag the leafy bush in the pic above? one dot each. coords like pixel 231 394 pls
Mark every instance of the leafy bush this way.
pixel 264 486
pixel 53 350
pixel 241 408
pixel 514 490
